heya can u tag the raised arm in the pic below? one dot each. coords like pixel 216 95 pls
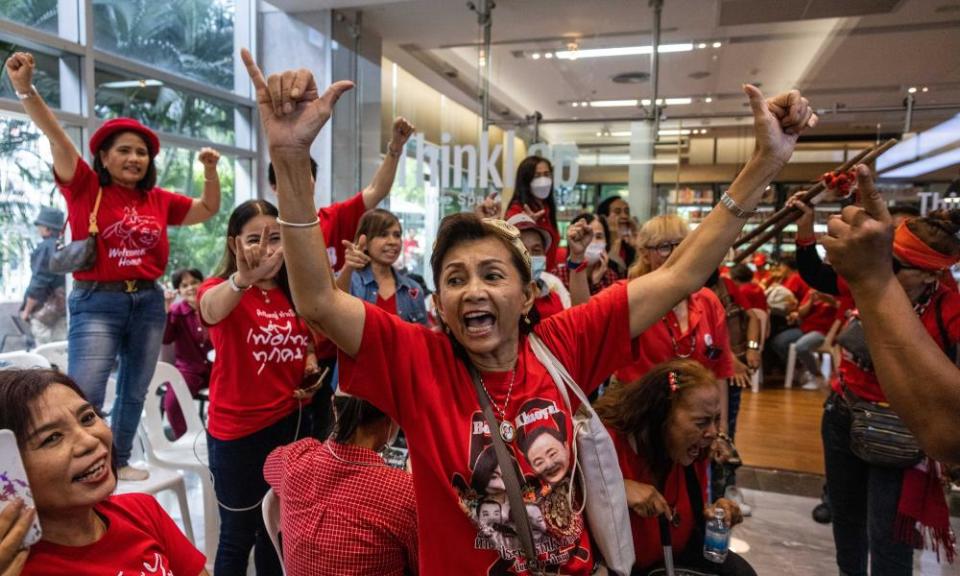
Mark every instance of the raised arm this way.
pixel 292 112
pixel 812 269
pixel 20 68
pixel 207 206
pixel 777 125
pixel 860 246
pixel 383 179
pixel 579 236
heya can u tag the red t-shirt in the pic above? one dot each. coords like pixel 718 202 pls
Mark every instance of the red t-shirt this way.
pixel 646 531
pixel 141 540
pixel 754 296
pixel 820 318
pixel 706 339
pixel 545 223
pixel 795 284
pixel 548 305
pixel 339 222
pixel 388 305
pixel 864 383
pixel 261 355
pixel 413 374
pixel 739 298
pixel 133 243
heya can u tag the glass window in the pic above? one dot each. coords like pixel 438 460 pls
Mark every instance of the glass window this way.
pixel 163 107
pixel 40 14
pixel 46 75
pixel 189 37
pixel 26 183
pixel 199 246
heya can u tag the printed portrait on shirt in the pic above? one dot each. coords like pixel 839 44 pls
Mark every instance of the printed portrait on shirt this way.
pixel 541 456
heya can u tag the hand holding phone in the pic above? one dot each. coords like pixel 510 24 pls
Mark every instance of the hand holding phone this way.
pixel 19 527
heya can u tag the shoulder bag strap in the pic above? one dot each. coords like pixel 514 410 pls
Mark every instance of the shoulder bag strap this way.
pixel 558 371
pixel 518 511
pixel 93 229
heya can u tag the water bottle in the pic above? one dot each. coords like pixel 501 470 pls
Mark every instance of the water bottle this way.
pixel 716 540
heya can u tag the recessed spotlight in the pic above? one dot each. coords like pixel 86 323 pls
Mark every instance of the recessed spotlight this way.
pixel 912 90
pixel 599 134
pixel 535 55
pixel 924 89
pixel 717 44
pixel 584 103
pixel 708 99
pixel 576 104
pixel 702 45
pixel 548 55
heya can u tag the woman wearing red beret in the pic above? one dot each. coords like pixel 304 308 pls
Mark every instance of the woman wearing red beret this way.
pixel 116 308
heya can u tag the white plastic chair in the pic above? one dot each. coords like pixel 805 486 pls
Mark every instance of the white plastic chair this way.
pixel 58 354
pixel 186 454
pixel 55 353
pixel 271 519
pixel 162 479
pixel 23 360
pixel 826 365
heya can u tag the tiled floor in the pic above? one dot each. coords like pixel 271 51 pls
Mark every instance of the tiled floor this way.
pixel 782 537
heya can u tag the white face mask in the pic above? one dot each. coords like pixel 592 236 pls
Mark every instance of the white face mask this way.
pixel 540 187
pixel 594 251
pixel 537 266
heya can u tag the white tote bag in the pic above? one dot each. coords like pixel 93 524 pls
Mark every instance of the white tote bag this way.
pixel 605 498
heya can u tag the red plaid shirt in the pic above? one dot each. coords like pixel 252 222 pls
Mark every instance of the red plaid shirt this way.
pixel 351 517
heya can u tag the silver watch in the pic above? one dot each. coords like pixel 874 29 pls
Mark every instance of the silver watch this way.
pixel 732 206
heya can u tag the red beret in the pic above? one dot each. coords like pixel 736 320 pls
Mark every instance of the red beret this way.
pixel 111 127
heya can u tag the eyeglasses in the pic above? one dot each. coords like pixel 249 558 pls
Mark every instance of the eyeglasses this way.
pixel 664 249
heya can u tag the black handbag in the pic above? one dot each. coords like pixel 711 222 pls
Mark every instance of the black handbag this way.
pixel 79 255
pixel 877 435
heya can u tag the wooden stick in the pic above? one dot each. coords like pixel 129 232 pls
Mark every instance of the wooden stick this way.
pixel 791 215
pixel 817 187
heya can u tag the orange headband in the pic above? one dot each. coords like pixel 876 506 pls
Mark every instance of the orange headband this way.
pixel 914 252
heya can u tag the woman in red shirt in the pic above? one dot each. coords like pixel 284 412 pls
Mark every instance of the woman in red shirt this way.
pixel 67 453
pixel 533 195
pixel 343 510
pixel 695 328
pixel 421 378
pixel 264 351
pixel 870 501
pixel 664 427
pixel 116 307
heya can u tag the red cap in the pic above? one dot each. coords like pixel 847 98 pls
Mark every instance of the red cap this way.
pixel 759 259
pixel 523 222
pixel 111 127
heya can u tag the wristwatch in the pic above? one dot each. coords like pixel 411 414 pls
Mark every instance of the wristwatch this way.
pixel 753 345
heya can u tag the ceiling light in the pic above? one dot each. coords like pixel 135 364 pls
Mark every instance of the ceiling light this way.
pixel 924 89
pixel 684 132
pixel 927 142
pixel 622 134
pixel 926 166
pixel 702 45
pixel 548 55
pixel 717 44
pixel 599 134
pixel 535 55
pixel 912 90
pixel 612 103
pixel 708 99
pixel 621 51
pixel 584 103
pixel 575 104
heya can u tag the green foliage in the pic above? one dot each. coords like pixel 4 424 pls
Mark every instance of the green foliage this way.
pixel 192 37
pixel 36 13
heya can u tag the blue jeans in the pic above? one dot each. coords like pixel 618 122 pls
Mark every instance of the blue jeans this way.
pixel 806 344
pixel 864 500
pixel 237 468
pixel 103 326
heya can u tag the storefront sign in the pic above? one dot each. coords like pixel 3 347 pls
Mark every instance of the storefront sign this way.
pixel 466 168
pixel 931 201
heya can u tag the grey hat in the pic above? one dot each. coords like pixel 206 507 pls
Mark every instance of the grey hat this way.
pixel 49 217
